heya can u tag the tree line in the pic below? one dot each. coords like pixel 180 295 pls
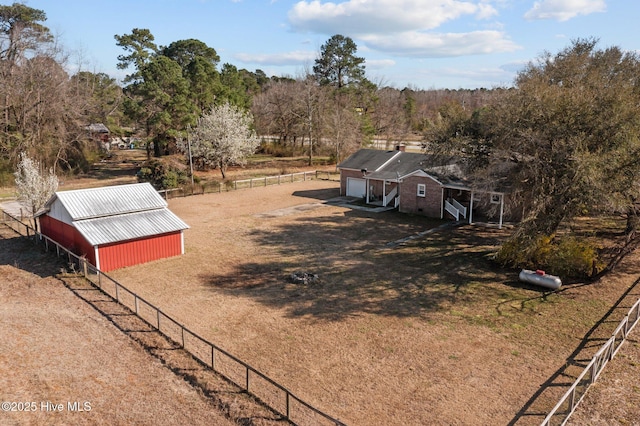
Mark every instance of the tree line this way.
pixel 330 110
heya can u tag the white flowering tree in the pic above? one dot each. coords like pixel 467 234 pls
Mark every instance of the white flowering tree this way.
pixel 224 137
pixel 33 185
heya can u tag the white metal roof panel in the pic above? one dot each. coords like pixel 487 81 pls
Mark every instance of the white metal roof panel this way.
pixel 110 200
pixel 111 229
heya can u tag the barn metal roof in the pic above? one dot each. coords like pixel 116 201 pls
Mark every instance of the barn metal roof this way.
pixel 109 200
pixel 111 229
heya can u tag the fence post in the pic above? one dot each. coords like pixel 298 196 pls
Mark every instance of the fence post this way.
pixel 287 407
pixel 213 358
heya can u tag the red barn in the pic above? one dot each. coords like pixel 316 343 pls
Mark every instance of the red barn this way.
pixel 114 226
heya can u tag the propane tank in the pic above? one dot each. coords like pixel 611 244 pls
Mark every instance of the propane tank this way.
pixel 540 278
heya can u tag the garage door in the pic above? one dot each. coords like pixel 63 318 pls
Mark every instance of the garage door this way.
pixel 356 187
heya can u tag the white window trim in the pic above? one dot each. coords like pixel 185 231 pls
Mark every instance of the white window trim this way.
pixel 422 190
pixel 496 198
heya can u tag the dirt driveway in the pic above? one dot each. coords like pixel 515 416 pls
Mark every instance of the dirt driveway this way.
pixel 426 332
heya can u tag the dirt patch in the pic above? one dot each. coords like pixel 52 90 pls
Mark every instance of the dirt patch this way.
pixel 424 332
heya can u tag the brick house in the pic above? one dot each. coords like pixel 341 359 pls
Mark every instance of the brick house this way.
pixel 421 184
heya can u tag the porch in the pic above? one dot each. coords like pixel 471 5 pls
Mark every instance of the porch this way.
pixel 470 205
pixel 382 192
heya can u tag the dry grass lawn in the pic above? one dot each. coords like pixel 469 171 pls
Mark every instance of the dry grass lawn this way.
pixel 425 332
pixel 615 398
pixel 57 349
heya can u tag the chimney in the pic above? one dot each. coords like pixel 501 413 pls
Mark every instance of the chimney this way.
pixel 400 148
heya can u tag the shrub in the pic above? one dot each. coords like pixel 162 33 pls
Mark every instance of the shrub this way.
pixel 163 174
pixel 566 256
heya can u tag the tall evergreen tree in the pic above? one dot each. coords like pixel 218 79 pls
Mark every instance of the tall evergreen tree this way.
pixel 338 64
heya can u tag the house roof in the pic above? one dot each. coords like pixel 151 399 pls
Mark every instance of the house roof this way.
pixel 392 165
pixel 97 128
pixel 108 200
pixel 369 159
pixel 401 165
pixel 450 175
pixel 117 213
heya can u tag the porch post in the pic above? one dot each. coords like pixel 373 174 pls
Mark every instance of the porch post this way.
pixel 471 209
pixel 366 182
pixel 384 192
pixel 441 202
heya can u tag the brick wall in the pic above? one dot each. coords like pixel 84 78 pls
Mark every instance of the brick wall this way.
pixel 430 205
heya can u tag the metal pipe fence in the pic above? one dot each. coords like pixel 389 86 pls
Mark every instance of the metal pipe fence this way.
pixel 563 410
pixel 213 187
pixel 252 381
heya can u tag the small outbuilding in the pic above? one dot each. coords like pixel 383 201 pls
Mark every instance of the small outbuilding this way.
pixel 114 226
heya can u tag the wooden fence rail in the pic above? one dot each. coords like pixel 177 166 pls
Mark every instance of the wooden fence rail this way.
pixel 566 406
pixel 265 389
pixel 234 185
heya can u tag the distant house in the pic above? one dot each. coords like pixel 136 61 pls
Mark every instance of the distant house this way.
pixel 419 184
pixel 99 132
pixel 114 226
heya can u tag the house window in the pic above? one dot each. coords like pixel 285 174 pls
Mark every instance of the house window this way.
pixel 496 198
pixel 422 189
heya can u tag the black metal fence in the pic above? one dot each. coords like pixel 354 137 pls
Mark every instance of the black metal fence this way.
pixel 269 392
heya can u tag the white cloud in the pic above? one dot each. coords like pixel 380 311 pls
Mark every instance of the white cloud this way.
pixel 280 59
pixel 378 64
pixel 382 16
pixel 563 10
pixel 403 27
pixel 430 45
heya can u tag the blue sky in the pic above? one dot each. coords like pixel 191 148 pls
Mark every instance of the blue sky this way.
pixel 423 44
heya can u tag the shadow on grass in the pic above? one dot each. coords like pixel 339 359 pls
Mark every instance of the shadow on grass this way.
pixel 227 398
pixel 537 407
pixel 358 273
pixel 319 194
pixel 23 253
pixel 224 396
